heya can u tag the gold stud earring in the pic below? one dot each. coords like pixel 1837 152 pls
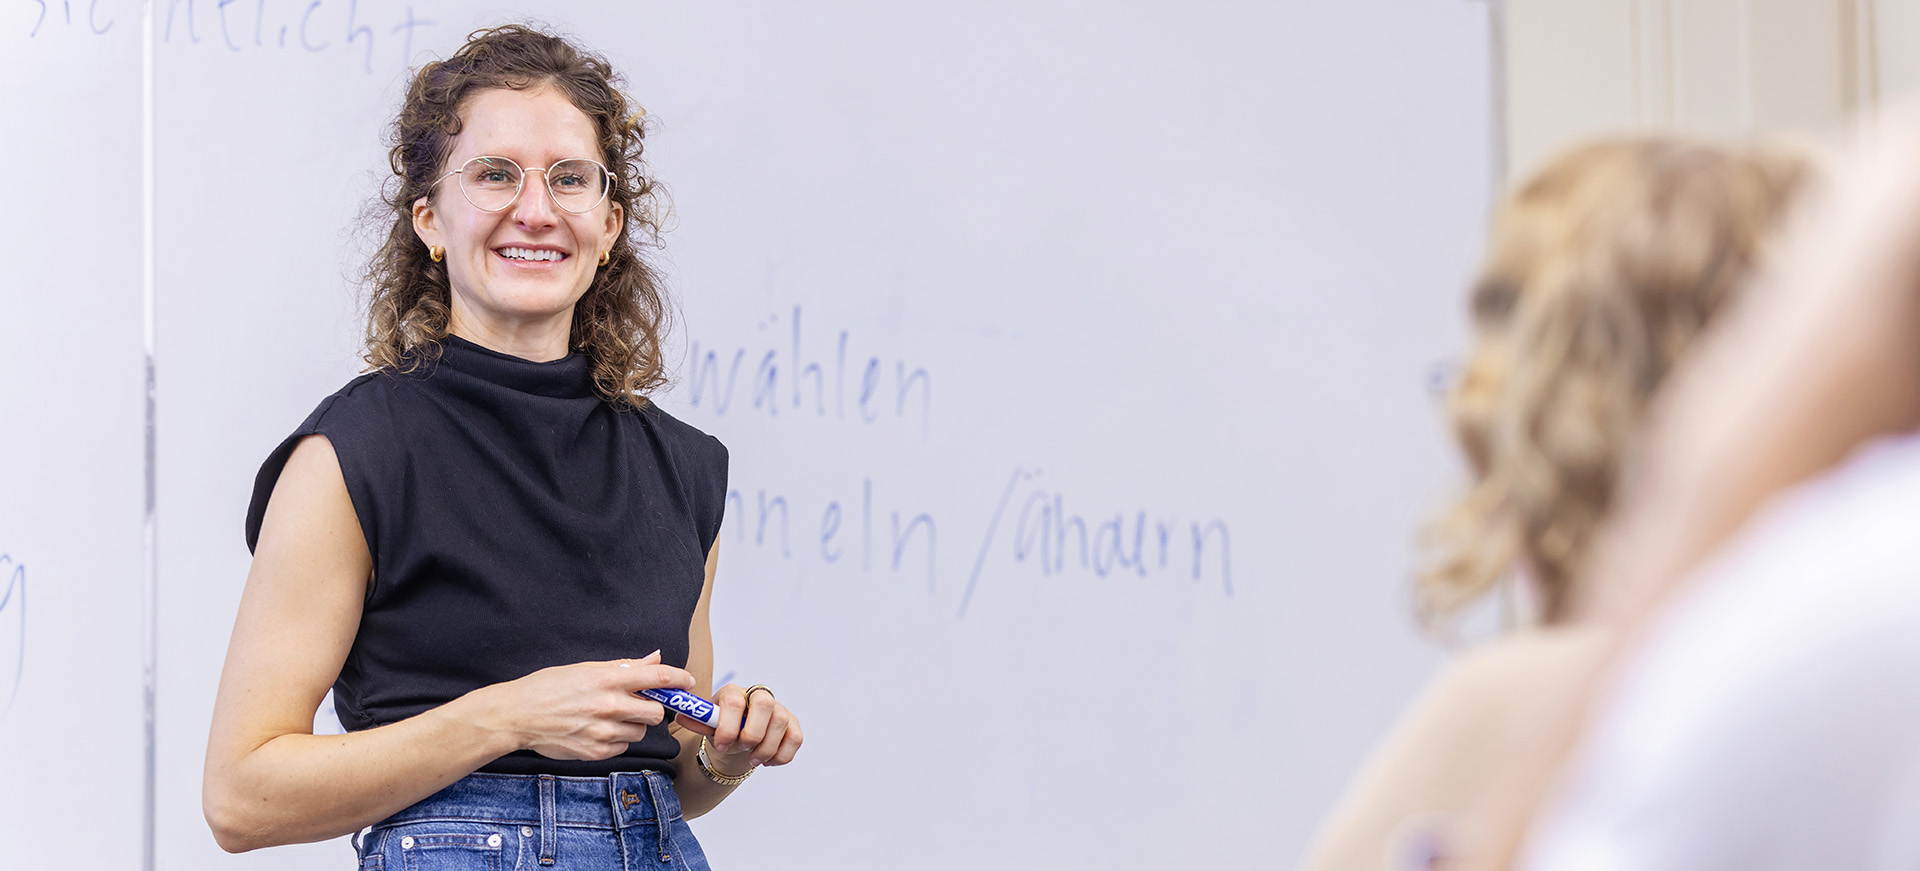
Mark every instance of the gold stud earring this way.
pixel 436 253
pixel 606 257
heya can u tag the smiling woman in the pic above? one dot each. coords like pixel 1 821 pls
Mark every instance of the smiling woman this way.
pixel 476 544
pixel 519 103
pixel 514 262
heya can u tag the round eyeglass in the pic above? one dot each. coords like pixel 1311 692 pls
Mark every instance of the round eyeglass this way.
pixel 492 183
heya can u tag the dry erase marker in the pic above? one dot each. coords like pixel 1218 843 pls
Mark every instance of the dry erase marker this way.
pixel 686 704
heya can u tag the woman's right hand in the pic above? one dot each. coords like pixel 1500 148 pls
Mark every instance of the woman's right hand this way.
pixel 583 711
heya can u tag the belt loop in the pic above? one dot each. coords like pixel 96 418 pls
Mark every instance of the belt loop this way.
pixel 367 841
pixel 656 789
pixel 549 837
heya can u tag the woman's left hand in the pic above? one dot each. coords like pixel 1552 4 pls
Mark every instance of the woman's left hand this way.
pixel 752 723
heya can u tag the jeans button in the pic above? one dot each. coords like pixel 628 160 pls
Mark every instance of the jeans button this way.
pixel 526 831
pixel 406 843
pixel 493 840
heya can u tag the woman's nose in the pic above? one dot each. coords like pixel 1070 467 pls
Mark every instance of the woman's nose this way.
pixel 535 207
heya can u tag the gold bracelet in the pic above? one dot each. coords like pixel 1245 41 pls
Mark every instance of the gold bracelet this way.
pixel 706 768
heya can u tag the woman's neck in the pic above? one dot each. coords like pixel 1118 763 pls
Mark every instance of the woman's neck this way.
pixel 540 341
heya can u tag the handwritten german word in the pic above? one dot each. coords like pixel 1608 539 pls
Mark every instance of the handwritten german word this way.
pixel 1045 534
pixel 788 378
pixel 846 530
pixel 13 628
pixel 97 21
pixel 312 26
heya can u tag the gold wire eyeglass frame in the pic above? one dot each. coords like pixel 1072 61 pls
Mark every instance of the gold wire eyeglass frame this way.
pixel 521 186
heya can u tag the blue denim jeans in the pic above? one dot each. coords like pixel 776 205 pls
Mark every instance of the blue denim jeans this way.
pixel 527 822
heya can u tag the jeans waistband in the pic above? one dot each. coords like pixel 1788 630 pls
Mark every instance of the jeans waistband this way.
pixel 614 801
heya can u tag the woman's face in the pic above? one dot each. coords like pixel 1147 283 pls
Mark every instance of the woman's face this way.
pixel 524 267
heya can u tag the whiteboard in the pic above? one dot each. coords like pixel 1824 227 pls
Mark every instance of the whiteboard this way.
pixel 1073 359
pixel 72 439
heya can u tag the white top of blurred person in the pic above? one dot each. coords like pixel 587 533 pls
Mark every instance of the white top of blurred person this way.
pixel 1771 718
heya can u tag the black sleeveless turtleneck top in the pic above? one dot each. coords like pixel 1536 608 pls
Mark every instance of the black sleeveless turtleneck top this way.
pixel 516 521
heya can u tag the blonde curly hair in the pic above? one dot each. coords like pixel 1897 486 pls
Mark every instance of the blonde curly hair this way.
pixel 1600 271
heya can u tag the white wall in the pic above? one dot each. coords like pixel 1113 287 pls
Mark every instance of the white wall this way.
pixel 1896 66
pixel 1576 68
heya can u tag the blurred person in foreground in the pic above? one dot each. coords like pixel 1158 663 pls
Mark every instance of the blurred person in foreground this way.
pixel 1761 708
pixel 1601 270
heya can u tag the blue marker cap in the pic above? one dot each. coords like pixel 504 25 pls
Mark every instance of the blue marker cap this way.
pixel 686 704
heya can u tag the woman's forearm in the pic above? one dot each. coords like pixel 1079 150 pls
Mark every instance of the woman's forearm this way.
pixel 272 783
pixel 296 788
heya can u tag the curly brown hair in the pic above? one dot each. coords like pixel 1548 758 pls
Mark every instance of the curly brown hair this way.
pixel 1600 271
pixel 619 322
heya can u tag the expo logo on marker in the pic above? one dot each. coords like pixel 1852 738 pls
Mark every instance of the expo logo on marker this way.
pixel 692 707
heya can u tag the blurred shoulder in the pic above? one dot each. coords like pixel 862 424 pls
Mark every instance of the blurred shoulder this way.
pixel 1449 747
pixel 1492 694
pixel 1532 657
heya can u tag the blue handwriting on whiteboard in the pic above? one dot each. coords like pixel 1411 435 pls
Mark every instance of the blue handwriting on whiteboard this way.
pixel 13 616
pixel 313 26
pixel 1032 529
pixel 790 378
pixel 1046 534
pixel 66 14
pixel 913 536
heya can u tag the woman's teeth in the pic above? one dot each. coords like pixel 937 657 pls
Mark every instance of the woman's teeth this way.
pixel 530 254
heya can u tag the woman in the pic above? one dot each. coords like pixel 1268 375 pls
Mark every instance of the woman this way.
pixel 1601 270
pixel 488 544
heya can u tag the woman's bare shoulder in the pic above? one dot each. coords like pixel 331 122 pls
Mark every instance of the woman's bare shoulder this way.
pixel 1520 660
pixel 1443 754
